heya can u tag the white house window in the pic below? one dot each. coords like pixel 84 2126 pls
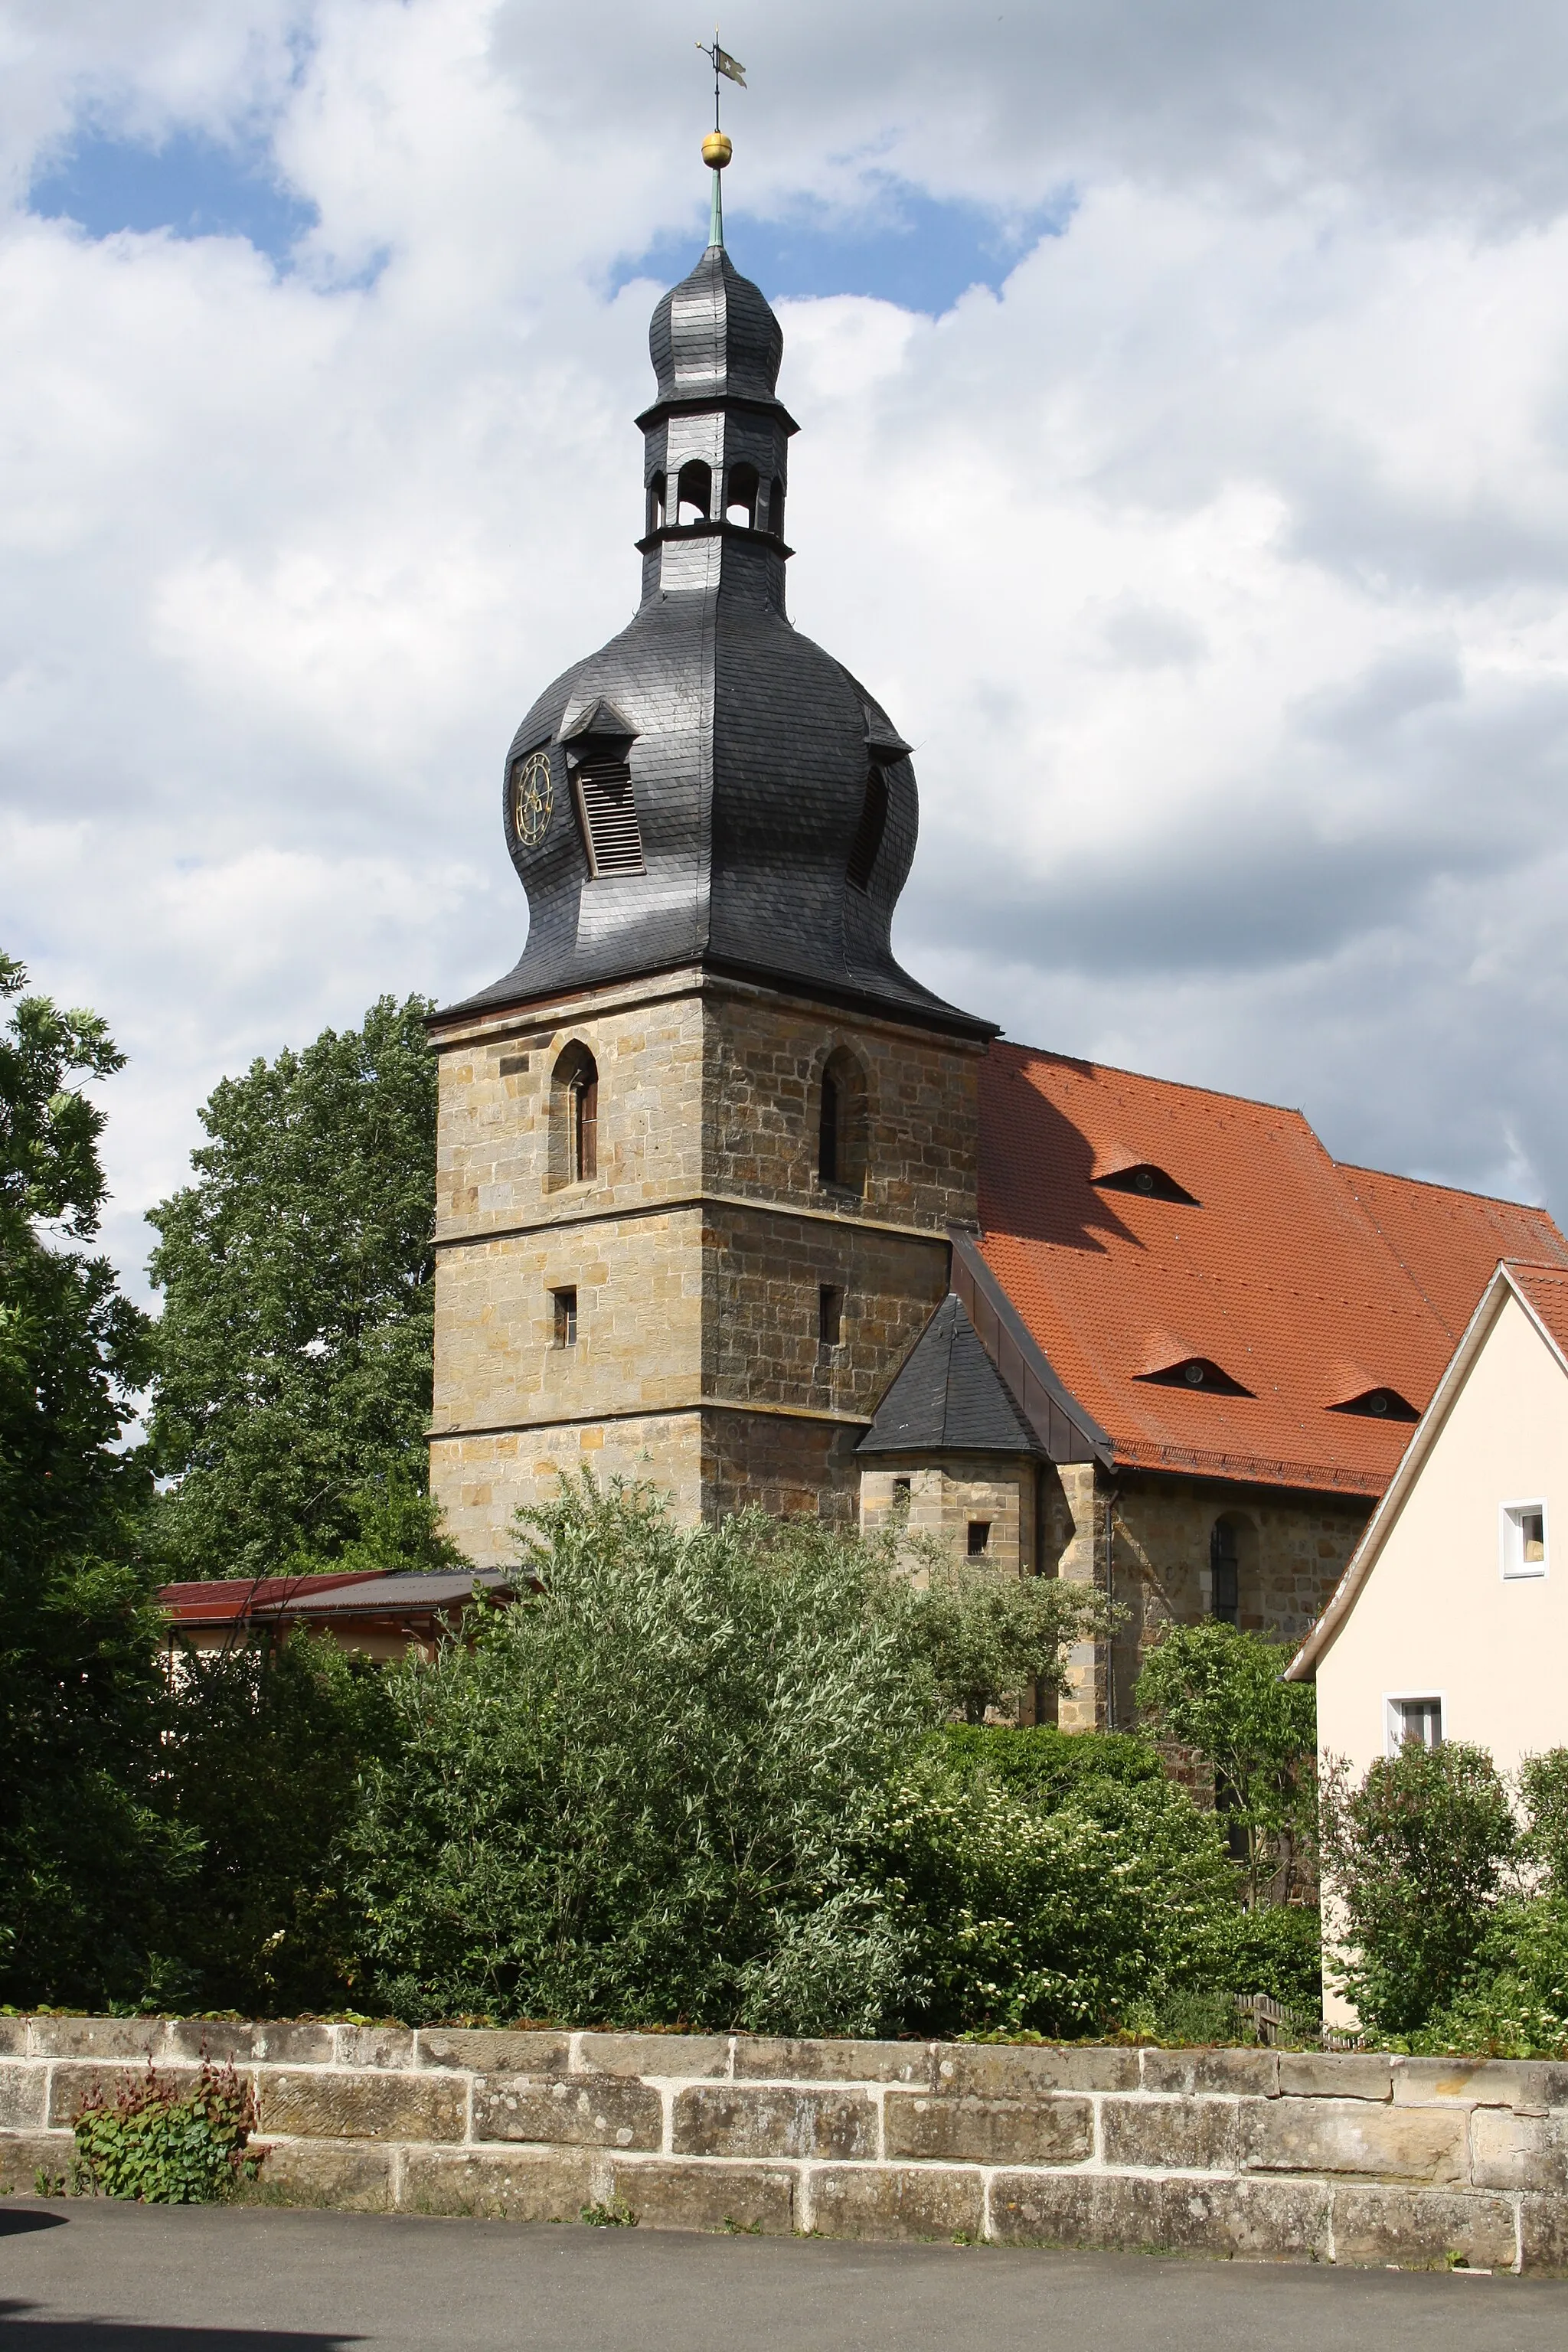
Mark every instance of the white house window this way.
pixel 1524 1539
pixel 1415 1723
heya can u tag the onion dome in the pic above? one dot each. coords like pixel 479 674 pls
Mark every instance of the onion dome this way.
pixel 712 788
pixel 714 337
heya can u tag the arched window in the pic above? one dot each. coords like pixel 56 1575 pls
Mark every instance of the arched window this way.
pixel 655 505
pixel 869 832
pixel 574 1118
pixel 694 492
pixel 841 1123
pixel 741 497
pixel 775 507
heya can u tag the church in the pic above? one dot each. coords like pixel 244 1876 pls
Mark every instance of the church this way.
pixel 730 1202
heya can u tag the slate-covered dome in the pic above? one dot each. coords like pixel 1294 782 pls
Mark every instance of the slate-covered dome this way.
pixel 714 335
pixel 711 787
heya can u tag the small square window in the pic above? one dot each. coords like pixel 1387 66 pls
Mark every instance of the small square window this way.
pixel 1523 1539
pixel 904 1488
pixel 1415 1723
pixel 979 1538
pixel 830 1315
pixel 565 1306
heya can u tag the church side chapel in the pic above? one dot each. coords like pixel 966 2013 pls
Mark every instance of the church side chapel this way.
pixel 730 1201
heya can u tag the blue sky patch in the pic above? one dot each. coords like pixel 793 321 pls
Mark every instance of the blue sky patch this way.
pixel 191 185
pixel 910 249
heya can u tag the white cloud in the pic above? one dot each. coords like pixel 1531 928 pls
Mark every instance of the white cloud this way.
pixel 1215 566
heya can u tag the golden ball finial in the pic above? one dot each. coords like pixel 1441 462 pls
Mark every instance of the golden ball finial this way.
pixel 717 149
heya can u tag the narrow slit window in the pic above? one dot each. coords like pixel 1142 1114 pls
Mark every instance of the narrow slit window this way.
pixel 655 505
pixel 610 826
pixel 979 1538
pixel 830 1315
pixel 776 507
pixel 903 1492
pixel 563 1304
pixel 1226 1569
pixel 869 832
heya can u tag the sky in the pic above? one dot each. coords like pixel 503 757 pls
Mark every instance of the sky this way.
pixel 1184 464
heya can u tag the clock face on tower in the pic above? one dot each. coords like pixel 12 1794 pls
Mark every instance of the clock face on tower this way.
pixel 533 798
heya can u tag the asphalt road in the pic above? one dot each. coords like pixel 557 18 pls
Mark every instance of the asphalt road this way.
pixel 126 2278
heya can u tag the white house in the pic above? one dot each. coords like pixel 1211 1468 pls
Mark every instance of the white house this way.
pixel 1451 1620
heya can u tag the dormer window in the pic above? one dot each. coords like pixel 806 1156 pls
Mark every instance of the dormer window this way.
pixel 1378 1404
pixel 1143 1176
pixel 1195 1372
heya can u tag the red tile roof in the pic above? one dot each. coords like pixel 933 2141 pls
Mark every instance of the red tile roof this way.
pixel 1546 1288
pixel 1304 1281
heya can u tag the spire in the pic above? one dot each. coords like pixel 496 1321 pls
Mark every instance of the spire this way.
pixel 716 148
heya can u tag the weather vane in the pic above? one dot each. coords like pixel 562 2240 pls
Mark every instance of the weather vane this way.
pixel 716 148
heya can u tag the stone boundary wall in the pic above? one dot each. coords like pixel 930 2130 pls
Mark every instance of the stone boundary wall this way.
pixel 1270 2156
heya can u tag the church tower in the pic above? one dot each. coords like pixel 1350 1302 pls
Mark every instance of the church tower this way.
pixel 699 1149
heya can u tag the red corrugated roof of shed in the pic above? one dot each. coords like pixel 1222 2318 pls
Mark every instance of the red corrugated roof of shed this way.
pixel 1290 1269
pixel 211 1600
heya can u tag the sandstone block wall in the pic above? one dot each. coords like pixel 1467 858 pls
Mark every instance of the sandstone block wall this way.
pixel 1351 2158
pixel 1291 1551
pixel 698 1249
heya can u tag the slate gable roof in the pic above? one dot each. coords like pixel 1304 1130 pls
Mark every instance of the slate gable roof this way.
pixel 949 1397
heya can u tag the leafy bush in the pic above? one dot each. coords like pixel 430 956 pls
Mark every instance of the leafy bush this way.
pixel 1221 1692
pixel 1277 1948
pixel 1512 2001
pixel 164 2143
pixel 1060 1918
pixel 1419 1855
pixel 637 1796
pixel 1544 1786
pixel 988 1634
pixel 1041 1762
pixel 263 1762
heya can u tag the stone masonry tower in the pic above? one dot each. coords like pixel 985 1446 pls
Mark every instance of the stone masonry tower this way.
pixel 699 1149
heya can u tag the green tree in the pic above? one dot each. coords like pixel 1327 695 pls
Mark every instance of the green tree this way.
pixel 1221 1692
pixel 294 1353
pixel 263 1762
pixel 988 1634
pixel 635 1795
pixel 84 1857
pixel 1417 1856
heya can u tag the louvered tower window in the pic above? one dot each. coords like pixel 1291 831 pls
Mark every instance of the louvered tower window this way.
pixel 610 827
